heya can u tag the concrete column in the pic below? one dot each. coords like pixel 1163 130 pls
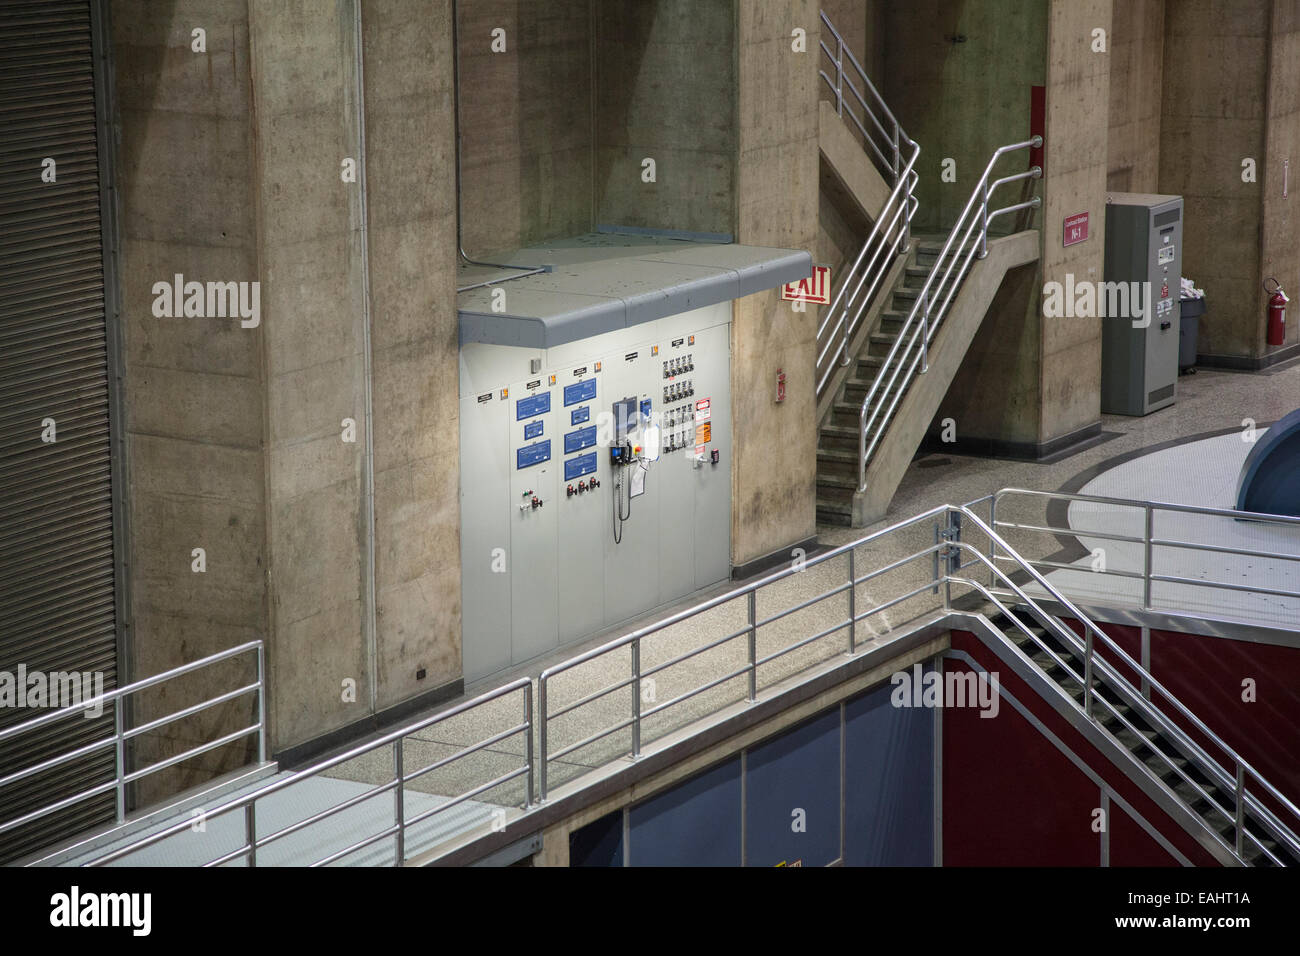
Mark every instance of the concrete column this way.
pixel 1078 92
pixel 1279 251
pixel 193 386
pixel 1216 66
pixel 774 478
pixel 410 145
pixel 305 126
pixel 1137 42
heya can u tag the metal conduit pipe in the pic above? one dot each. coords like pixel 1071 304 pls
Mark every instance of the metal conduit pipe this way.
pixel 369 616
pixel 460 240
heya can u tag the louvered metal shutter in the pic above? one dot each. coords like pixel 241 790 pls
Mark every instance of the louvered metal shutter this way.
pixel 58 609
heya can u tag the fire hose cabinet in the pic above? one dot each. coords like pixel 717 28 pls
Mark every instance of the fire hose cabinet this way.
pixel 1143 268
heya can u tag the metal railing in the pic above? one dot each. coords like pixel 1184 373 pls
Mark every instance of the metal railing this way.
pixel 620 705
pixel 1150 542
pixel 865 108
pixel 895 153
pixel 402 821
pixel 637 713
pixel 911 348
pixel 887 240
pixel 123 735
pixel 1097 669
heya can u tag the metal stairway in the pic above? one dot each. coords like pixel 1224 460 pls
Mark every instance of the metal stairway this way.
pixel 837 449
pixel 877 420
pixel 1251 834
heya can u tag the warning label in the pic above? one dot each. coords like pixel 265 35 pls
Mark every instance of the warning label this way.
pixel 703 433
pixel 703 410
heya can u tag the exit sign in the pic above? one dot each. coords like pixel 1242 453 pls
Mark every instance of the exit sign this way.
pixel 1076 228
pixel 816 288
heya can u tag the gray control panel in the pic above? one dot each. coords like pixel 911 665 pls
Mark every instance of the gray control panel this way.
pixel 595 489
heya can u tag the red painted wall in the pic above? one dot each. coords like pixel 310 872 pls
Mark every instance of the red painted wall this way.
pixel 1011 798
pixel 1206 674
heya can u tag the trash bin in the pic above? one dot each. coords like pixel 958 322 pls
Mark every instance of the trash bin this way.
pixel 1189 313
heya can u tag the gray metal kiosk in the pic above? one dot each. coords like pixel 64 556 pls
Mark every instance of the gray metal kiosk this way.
pixel 1139 346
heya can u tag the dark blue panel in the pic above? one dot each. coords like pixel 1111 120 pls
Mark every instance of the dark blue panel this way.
pixel 579 466
pixel 697 823
pixel 889 782
pixel 580 391
pixel 800 770
pixel 531 455
pixel 532 430
pixel 532 406
pixel 599 843
pixel 582 438
pixel 1270 476
pixel 580 415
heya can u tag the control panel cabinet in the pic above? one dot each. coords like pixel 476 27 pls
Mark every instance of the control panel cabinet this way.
pixel 595 488
pixel 1144 255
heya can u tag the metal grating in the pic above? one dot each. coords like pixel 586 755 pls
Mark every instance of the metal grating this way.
pixel 57 585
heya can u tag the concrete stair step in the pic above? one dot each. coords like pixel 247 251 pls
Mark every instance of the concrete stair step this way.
pixel 879 344
pixel 843 481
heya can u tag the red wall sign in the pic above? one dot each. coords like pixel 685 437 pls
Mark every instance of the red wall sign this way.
pixel 816 288
pixel 1076 228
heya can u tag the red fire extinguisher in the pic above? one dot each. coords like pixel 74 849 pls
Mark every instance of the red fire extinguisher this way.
pixel 1277 301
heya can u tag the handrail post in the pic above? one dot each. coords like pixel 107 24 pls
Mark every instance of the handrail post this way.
pixel 120 752
pixel 1241 804
pixel 636 698
pixel 250 831
pixel 528 742
pixel 993 542
pixel 839 75
pixel 541 738
pixel 261 703
pixel 1087 672
pixel 1146 560
pixel 984 219
pixel 753 646
pixel 925 330
pixel 897 167
pixel 905 243
pixel 399 801
pixel 853 611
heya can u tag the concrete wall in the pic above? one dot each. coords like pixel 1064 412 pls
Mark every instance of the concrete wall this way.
pixel 194 387
pixel 1280 227
pixel 666 90
pixel 1078 91
pixel 309 239
pixel 1212 119
pixel 1137 41
pixel 961 100
pixel 774 478
pixel 229 170
pixel 410 144
pixel 527 122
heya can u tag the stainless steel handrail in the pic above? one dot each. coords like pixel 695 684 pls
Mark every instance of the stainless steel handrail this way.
pixel 920 325
pixel 890 233
pixel 893 134
pixel 888 238
pixel 1246 782
pixel 121 734
pixel 247 802
pixel 634 640
pixel 1150 542
pixel 1134 696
